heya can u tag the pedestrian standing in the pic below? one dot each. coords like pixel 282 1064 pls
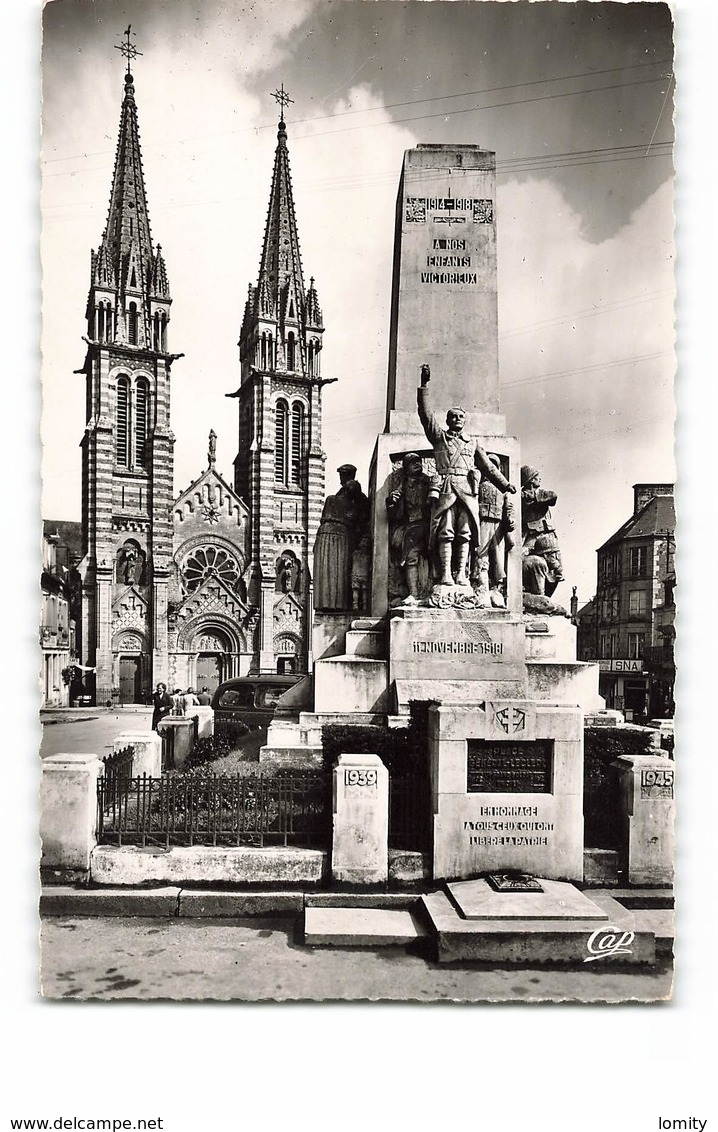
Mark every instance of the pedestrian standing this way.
pixel 161 704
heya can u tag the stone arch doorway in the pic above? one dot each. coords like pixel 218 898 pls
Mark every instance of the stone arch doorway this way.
pixel 287 650
pixel 213 660
pixel 128 649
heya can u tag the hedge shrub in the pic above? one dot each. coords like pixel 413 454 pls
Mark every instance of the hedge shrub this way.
pixel 601 747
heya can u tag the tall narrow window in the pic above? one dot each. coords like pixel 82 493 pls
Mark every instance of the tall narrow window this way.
pixel 638 561
pixel 141 406
pixel 132 324
pixel 291 352
pixel 280 442
pixel 297 443
pixel 122 422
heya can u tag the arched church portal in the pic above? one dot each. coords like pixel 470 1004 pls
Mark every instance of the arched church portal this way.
pixel 130 664
pixel 214 660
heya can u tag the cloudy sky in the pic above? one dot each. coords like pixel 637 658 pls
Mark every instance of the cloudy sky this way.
pixel 575 99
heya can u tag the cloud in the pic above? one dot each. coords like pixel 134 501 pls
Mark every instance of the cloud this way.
pixel 586 356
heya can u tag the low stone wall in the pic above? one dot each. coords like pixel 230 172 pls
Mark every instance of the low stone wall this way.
pixel 202 864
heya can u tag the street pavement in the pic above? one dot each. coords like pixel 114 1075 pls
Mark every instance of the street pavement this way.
pixel 261 959
pixel 91 732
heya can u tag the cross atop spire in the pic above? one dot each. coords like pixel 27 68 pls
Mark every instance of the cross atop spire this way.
pixel 282 99
pixel 127 48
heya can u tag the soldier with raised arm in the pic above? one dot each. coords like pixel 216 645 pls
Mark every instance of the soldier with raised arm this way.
pixel 461 464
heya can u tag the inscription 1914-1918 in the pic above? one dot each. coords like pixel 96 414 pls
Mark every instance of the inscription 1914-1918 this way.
pixel 509 768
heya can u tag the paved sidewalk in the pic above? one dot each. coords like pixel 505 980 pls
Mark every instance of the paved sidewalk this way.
pixel 89 730
pixel 262 959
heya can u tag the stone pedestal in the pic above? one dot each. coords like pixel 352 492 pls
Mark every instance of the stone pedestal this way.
pixel 205 720
pixel 147 757
pixel 68 811
pixel 507 784
pixel 646 784
pixel 360 820
pixel 180 734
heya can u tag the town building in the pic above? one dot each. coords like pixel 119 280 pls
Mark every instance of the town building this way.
pixel 628 627
pixel 216 582
pixel 58 613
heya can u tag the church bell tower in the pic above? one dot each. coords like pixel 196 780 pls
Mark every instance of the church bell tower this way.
pixel 279 469
pixel 127 458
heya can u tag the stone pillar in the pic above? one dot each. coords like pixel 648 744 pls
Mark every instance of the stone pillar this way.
pixel 180 736
pixel 147 758
pixel 646 785
pixel 68 811
pixel 160 637
pixel 360 828
pixel 266 628
pixel 103 657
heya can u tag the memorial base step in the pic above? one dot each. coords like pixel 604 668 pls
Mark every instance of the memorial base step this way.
pixel 559 926
pixel 360 927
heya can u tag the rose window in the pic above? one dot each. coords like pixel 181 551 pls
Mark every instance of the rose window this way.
pixel 210 562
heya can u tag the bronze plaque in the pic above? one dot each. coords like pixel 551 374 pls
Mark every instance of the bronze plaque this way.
pixel 509 768
pixel 513 882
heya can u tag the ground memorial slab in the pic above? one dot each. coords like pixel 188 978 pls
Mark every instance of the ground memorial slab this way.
pixel 617 937
pixel 477 900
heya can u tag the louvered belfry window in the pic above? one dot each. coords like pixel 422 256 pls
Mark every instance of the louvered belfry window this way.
pixel 141 406
pixel 280 442
pixel 297 443
pixel 122 454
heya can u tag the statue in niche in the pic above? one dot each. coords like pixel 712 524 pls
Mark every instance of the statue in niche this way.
pixel 461 464
pixel 130 565
pixel 496 525
pixel 287 574
pixel 536 518
pixel 343 524
pixel 408 510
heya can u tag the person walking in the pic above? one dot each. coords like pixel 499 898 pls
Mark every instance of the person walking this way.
pixel 189 700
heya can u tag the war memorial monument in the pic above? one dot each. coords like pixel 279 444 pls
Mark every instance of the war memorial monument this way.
pixel 464 564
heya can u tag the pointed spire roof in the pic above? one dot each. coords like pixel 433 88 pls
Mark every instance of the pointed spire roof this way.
pixel 280 286
pixel 125 261
pixel 127 239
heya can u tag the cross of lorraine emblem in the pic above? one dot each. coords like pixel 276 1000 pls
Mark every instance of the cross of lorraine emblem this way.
pixel 511 719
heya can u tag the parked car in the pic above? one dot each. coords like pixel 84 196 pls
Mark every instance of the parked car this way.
pixel 249 699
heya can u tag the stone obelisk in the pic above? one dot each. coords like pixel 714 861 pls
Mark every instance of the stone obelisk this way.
pixel 444 314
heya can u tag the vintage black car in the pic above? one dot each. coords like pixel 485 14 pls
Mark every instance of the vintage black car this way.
pixel 250 700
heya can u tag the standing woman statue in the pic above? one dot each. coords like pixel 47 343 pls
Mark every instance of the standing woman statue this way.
pixel 341 527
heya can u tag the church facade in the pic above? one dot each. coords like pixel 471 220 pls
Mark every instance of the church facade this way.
pixel 216 582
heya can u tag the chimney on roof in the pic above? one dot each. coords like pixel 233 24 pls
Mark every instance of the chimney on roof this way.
pixel 643 493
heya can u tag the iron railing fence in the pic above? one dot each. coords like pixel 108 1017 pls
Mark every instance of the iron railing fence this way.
pixel 410 812
pixel 217 810
pixel 118 769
